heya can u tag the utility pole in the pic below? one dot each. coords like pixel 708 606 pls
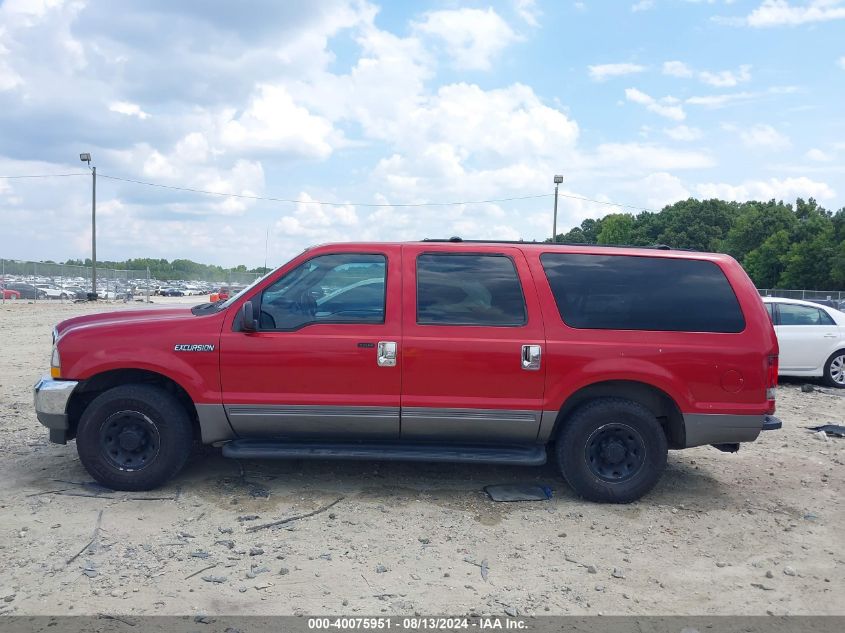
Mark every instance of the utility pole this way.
pixel 86 158
pixel 94 229
pixel 266 244
pixel 558 180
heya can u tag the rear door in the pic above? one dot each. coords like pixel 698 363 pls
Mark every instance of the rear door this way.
pixel 805 336
pixel 472 348
pixel 324 362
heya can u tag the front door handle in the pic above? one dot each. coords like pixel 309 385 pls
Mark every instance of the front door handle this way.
pixel 386 354
pixel 531 357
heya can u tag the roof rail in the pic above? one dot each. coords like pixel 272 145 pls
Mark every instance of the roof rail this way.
pixel 456 239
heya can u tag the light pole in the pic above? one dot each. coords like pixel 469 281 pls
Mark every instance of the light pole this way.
pixel 558 180
pixel 86 158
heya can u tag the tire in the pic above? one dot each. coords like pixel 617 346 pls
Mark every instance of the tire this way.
pixel 134 437
pixel 834 370
pixel 611 450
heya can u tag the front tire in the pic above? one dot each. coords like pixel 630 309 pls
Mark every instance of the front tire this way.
pixel 134 437
pixel 834 370
pixel 611 450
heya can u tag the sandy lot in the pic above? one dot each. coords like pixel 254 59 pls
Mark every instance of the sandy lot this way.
pixel 752 533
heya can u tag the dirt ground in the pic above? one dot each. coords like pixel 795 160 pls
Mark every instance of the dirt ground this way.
pixel 750 533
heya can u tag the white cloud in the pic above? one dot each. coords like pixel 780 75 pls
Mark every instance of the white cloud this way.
pixel 726 78
pixel 473 38
pixel 642 5
pixel 841 62
pixel 676 69
pixel 666 107
pixel 129 109
pixel 636 158
pixel 818 155
pixel 764 137
pixel 273 121
pixel 601 72
pixel 720 101
pixel 782 13
pixel 683 133
pixel 528 11
pixel 774 188
pixel 660 188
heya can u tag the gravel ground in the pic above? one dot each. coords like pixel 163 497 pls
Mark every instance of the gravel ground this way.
pixel 751 533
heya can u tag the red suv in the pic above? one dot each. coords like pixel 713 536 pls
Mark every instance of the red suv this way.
pixel 442 350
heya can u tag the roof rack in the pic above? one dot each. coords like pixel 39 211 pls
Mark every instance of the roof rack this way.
pixel 456 239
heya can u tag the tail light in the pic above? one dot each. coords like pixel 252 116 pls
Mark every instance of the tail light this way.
pixel 771 377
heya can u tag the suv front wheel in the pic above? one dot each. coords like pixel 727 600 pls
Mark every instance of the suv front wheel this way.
pixel 134 437
pixel 611 450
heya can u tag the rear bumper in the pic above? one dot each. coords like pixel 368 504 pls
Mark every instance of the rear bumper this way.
pixel 708 428
pixel 51 399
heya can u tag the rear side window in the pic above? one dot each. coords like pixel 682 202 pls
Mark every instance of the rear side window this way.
pixel 620 292
pixel 468 290
pixel 794 314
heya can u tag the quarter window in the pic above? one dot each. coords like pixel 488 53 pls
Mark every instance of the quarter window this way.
pixel 622 292
pixel 457 289
pixel 342 288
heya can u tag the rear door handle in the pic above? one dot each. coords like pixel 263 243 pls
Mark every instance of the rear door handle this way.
pixel 531 357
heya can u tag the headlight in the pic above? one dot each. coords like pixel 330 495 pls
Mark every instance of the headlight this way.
pixel 55 363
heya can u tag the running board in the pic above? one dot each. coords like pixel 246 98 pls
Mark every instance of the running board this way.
pixel 525 455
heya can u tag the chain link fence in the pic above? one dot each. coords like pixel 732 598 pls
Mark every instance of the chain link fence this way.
pixel 836 296
pixel 47 281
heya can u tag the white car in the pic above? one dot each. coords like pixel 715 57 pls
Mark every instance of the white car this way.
pixel 811 338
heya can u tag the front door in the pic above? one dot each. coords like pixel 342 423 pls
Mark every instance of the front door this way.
pixel 324 362
pixel 472 347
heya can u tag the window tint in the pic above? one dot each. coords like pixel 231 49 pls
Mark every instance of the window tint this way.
pixel 343 288
pixel 620 292
pixel 468 290
pixel 793 314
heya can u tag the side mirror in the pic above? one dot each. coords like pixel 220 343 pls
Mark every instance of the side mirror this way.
pixel 248 322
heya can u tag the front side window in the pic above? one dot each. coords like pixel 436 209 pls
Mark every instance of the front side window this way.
pixel 469 289
pixel 622 292
pixel 342 288
pixel 793 314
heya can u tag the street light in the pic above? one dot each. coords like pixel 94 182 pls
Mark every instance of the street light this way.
pixel 85 157
pixel 558 180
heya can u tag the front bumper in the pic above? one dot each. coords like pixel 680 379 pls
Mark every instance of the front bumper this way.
pixel 51 400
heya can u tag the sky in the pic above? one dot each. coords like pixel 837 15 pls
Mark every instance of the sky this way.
pixel 367 107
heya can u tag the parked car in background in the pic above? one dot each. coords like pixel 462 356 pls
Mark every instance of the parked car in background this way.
pixel 10 295
pixel 52 291
pixel 27 291
pixel 172 292
pixel 811 338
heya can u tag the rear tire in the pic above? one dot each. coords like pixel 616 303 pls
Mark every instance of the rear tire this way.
pixel 611 450
pixel 134 437
pixel 834 370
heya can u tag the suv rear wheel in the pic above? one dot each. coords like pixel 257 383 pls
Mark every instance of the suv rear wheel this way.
pixel 834 370
pixel 611 450
pixel 134 437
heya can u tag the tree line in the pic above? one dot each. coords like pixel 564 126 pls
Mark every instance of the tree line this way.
pixel 780 245
pixel 176 269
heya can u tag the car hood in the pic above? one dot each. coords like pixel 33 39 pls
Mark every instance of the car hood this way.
pixel 127 317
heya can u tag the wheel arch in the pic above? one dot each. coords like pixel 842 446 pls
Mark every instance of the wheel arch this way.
pixel 93 386
pixel 664 407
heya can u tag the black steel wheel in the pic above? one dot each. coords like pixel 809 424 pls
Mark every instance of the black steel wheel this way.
pixel 129 440
pixel 134 437
pixel 611 450
pixel 615 452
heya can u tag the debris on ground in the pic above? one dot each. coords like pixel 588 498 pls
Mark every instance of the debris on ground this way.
pixel 836 430
pixel 518 492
